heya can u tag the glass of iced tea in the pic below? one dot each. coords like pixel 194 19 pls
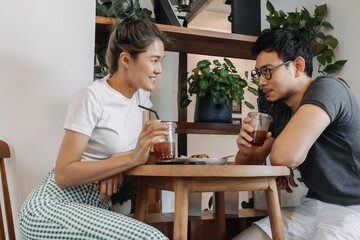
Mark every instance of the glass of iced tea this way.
pixel 166 149
pixel 260 123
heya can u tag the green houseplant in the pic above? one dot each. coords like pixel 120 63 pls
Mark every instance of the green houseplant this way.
pixel 219 81
pixel 313 28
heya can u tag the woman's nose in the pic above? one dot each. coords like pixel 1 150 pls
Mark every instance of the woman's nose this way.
pixel 158 69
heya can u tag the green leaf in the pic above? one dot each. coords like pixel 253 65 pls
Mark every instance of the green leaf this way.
pixel 253 91
pixel 228 62
pixel 249 105
pixel 243 83
pixel 203 64
pixel 327 25
pixel 332 41
pixel 311 23
pixel 274 22
pixel 321 11
pixel 270 7
pixel 203 85
pixel 216 63
pixel 305 15
pixel 184 102
pixel 333 68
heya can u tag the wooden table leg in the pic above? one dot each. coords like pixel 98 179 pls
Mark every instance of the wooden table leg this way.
pixel 220 214
pixel 274 210
pixel 141 200
pixel 181 190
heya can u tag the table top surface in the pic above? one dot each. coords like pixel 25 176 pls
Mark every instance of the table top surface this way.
pixel 209 171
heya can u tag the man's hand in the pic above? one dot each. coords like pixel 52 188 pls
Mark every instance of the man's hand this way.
pixel 109 186
pixel 283 182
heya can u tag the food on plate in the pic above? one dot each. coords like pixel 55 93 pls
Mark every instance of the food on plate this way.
pixel 203 155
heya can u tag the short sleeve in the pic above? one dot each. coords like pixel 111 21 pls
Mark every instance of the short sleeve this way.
pixel 331 95
pixel 83 113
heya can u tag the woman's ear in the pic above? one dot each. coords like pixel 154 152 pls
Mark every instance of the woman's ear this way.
pixel 124 60
pixel 299 63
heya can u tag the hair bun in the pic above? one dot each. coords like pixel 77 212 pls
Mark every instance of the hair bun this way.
pixel 125 9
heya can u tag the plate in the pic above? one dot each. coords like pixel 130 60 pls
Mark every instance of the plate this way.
pixel 197 161
pixel 208 161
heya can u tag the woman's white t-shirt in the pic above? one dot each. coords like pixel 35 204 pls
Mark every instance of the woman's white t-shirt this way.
pixel 112 121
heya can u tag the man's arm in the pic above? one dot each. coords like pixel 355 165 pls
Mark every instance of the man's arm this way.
pixel 293 144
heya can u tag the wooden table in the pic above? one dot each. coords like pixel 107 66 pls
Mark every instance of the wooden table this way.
pixel 183 179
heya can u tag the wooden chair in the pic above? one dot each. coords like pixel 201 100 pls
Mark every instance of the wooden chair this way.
pixel 5 153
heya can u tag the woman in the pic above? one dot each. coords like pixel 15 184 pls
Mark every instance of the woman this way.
pixel 103 138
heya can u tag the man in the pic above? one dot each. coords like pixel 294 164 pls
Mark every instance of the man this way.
pixel 316 129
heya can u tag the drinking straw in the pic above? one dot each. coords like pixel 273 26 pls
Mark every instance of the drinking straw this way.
pixel 153 111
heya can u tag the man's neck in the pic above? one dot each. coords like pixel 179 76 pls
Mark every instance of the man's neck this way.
pixel 294 100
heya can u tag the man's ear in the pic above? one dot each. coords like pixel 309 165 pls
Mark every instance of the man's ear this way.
pixel 299 63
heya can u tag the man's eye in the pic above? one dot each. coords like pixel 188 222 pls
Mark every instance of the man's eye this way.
pixel 265 70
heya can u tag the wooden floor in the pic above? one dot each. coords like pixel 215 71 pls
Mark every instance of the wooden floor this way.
pixel 204 227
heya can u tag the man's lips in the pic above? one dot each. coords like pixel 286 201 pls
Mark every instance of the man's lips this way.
pixel 267 92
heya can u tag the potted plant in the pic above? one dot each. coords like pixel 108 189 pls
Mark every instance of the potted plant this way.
pixel 313 28
pixel 127 192
pixel 216 85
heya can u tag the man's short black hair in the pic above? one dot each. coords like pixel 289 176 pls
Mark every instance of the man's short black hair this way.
pixel 287 44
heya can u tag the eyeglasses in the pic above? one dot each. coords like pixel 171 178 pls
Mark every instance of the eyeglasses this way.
pixel 266 71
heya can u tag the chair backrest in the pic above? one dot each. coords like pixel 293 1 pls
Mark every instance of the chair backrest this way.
pixel 5 153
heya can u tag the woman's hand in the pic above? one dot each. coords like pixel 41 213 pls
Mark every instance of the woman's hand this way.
pixel 283 182
pixel 109 186
pixel 152 132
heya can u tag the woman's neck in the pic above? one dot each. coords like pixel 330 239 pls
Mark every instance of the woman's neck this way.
pixel 122 85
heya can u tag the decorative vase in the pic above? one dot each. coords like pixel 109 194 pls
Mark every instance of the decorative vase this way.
pixel 205 111
pixel 124 208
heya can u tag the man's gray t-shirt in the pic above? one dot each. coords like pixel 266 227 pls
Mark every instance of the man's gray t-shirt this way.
pixel 331 169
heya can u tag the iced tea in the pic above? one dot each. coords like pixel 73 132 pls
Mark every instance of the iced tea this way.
pixel 259 137
pixel 164 150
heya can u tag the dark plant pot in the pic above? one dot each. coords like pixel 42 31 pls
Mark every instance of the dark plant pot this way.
pixel 205 111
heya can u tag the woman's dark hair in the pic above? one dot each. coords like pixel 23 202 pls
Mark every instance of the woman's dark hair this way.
pixel 133 34
pixel 287 44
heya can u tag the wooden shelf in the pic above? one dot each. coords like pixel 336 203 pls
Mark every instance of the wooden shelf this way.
pixel 187 40
pixel 208 128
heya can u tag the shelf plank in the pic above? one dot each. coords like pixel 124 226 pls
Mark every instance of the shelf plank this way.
pixel 208 128
pixel 188 40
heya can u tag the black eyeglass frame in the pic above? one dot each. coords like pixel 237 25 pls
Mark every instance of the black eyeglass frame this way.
pixel 266 71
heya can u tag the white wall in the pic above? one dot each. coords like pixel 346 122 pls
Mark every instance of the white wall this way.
pixel 46 55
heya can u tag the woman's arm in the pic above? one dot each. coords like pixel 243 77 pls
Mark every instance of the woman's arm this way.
pixel 70 171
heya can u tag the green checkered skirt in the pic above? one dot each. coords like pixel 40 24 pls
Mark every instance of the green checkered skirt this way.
pixel 50 212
